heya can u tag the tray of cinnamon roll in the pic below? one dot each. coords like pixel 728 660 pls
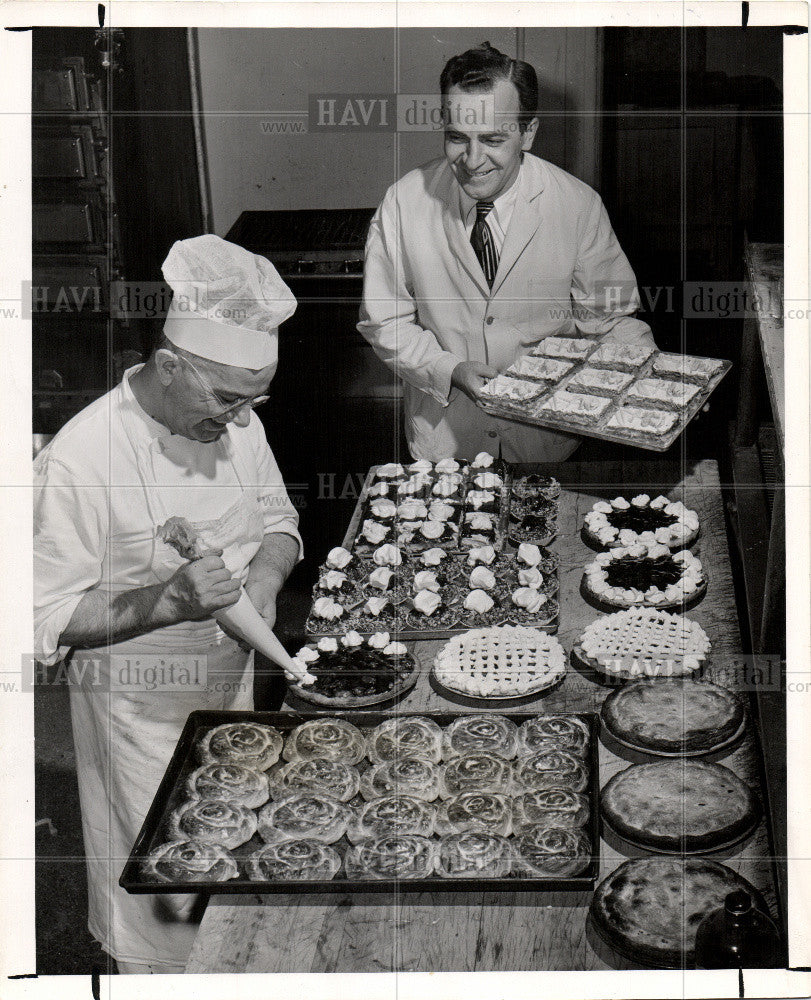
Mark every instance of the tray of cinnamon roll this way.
pixel 281 802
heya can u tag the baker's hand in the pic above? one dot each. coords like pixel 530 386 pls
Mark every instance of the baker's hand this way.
pixel 470 376
pixel 200 589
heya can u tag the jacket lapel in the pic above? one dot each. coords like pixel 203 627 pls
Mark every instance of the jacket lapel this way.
pixel 525 220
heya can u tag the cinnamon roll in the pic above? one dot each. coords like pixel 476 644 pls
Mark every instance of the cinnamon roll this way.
pixel 322 777
pixel 412 776
pixel 213 821
pixel 566 732
pixel 232 782
pixel 486 812
pixel 303 816
pixel 394 857
pixel 559 807
pixel 328 739
pixel 389 815
pixel 474 772
pixel 492 734
pixel 189 861
pixel 293 860
pixel 406 737
pixel 247 743
pixel 474 855
pixel 552 852
pixel 550 769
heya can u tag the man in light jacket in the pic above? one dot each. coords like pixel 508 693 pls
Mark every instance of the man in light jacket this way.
pixel 474 258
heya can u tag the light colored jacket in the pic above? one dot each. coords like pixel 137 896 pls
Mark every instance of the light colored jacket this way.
pixel 426 305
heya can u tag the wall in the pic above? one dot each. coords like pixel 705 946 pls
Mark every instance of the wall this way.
pixel 251 77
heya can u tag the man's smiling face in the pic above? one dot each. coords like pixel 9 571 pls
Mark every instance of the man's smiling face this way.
pixel 483 143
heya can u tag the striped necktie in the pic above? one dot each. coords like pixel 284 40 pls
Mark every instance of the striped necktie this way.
pixel 481 239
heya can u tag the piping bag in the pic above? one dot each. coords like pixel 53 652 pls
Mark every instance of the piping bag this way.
pixel 241 619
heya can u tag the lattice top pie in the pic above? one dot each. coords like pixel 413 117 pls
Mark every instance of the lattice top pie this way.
pixel 645 642
pixel 500 662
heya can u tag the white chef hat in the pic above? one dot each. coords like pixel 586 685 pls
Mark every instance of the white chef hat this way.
pixel 227 303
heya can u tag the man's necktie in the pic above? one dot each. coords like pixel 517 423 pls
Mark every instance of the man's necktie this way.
pixel 481 239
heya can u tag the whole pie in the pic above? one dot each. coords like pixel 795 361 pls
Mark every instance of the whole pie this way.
pixel 600 381
pixel 575 406
pixel 573 348
pixel 505 387
pixel 679 805
pixel 643 642
pixel 639 420
pixel 651 907
pixel 641 519
pixel 540 369
pixel 686 367
pixel 673 716
pixel 666 393
pixel 620 357
pixel 644 574
pixel 500 662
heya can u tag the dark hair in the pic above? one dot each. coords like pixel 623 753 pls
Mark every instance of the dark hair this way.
pixel 478 69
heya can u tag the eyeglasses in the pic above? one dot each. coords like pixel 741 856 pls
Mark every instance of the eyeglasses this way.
pixel 229 410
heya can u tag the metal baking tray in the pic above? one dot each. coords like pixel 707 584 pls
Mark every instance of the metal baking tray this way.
pixel 360 512
pixel 171 793
pixel 529 413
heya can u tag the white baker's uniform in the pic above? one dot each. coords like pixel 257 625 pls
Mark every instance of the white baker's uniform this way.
pixel 103 485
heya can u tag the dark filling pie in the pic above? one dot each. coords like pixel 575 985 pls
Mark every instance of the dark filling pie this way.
pixel 538 507
pixel 358 672
pixel 630 573
pixel 640 519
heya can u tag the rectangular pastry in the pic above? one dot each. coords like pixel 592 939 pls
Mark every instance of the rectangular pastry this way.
pixel 574 348
pixel 600 381
pixel 575 406
pixel 517 390
pixel 685 366
pixel 664 393
pixel 641 421
pixel 621 357
pixel 540 369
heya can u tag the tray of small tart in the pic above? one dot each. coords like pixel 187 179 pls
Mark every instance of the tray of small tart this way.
pixel 648 909
pixel 618 392
pixel 273 802
pixel 674 717
pixel 486 565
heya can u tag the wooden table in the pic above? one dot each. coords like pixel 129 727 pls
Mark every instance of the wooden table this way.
pixel 454 931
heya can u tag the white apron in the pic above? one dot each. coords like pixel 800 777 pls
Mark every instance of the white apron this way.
pixel 124 740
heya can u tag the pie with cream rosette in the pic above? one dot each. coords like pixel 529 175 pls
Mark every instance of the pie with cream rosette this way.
pixel 649 575
pixel 505 661
pixel 623 522
pixel 643 642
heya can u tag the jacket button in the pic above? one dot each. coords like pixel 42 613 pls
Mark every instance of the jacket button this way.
pixel 489 320
pixel 492 434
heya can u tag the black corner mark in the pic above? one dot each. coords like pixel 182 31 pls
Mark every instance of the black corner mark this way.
pixel 24 975
pixel 29 28
pixel 95 972
pixel 744 14
pixel 740 984
pixel 102 11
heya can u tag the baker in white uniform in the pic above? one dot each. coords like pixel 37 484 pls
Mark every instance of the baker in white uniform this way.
pixel 178 437
pixel 472 259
